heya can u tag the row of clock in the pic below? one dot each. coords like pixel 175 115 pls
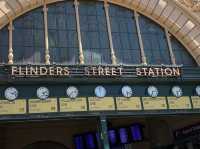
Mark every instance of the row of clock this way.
pixel 11 93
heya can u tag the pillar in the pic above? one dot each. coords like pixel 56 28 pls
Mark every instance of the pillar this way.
pixel 104 133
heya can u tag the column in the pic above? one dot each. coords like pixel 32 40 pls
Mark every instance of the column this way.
pixel 10 50
pixel 143 56
pixel 113 57
pixel 81 55
pixel 47 55
pixel 104 133
pixel 172 57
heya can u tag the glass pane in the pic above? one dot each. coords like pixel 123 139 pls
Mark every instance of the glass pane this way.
pixel 94 33
pixel 29 48
pixel 155 42
pixel 181 54
pixel 63 40
pixel 124 34
pixel 4 45
pixel 29 45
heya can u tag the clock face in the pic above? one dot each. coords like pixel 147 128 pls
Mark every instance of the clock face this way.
pixel 177 91
pixel 100 91
pixel 72 92
pixel 43 93
pixel 127 91
pixel 152 91
pixel 198 90
pixel 11 93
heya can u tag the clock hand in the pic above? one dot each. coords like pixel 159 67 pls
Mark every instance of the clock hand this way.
pixel 13 93
pixel 100 91
pixel 72 93
pixel 151 93
pixel 128 93
pixel 178 93
pixel 45 93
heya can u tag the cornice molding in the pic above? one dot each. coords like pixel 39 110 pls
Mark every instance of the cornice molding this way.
pixel 194 5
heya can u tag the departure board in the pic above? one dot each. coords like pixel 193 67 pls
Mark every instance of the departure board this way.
pixel 73 105
pixel 43 106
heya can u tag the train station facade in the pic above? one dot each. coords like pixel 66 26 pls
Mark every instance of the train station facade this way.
pixel 99 74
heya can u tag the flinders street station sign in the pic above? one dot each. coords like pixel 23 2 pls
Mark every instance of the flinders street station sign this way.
pixel 55 91
pixel 93 71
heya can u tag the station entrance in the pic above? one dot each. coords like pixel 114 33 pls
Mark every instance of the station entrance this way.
pixel 151 132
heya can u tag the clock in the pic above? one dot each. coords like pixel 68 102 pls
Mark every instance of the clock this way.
pixel 127 91
pixel 11 93
pixel 198 90
pixel 100 91
pixel 177 91
pixel 72 92
pixel 152 91
pixel 43 93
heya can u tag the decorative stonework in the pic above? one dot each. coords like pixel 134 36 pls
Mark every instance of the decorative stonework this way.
pixel 192 4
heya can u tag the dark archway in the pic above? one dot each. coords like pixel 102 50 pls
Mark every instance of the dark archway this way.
pixel 45 145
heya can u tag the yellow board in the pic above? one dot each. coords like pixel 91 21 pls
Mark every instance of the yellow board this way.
pixel 73 105
pixel 14 107
pixel 158 103
pixel 43 106
pixel 179 103
pixel 132 103
pixel 101 104
pixel 196 102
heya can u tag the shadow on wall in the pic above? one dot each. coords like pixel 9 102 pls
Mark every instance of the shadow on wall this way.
pixel 45 145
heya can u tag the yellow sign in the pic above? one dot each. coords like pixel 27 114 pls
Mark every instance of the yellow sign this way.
pixel 13 107
pixel 43 106
pixel 101 104
pixel 133 103
pixel 73 105
pixel 196 102
pixel 179 103
pixel 158 103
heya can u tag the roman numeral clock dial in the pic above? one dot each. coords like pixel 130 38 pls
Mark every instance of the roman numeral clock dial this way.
pixel 127 91
pixel 152 91
pixel 11 93
pixel 177 91
pixel 100 91
pixel 72 92
pixel 198 90
pixel 43 93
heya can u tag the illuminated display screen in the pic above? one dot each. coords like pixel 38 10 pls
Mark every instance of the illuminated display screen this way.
pixel 79 142
pixel 90 141
pixel 98 138
pixel 116 137
pixel 136 132
pixel 123 135
pixel 112 135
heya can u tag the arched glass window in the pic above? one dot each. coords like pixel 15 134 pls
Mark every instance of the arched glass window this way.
pixel 28 38
pixel 63 40
pixel 94 33
pixel 181 54
pixel 124 34
pixel 29 42
pixel 4 45
pixel 155 42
